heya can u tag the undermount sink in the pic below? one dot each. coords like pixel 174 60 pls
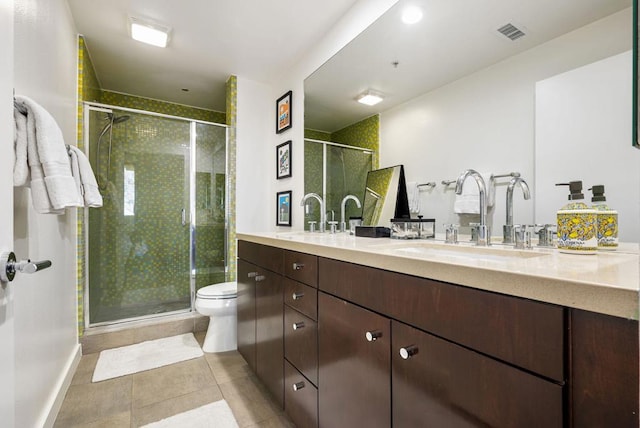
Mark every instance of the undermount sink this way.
pixel 462 251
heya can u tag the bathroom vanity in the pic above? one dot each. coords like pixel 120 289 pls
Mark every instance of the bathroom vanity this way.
pixel 348 331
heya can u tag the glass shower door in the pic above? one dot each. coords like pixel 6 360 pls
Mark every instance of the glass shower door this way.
pixel 139 240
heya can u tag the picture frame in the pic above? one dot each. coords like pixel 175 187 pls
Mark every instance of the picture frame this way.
pixel 283 160
pixel 283 208
pixel 283 112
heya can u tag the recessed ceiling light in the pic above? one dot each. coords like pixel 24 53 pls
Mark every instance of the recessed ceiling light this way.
pixel 369 98
pixel 149 32
pixel 411 15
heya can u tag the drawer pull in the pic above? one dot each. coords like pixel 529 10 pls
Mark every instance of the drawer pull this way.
pixel 298 385
pixel 260 278
pixel 252 274
pixel 298 266
pixel 297 296
pixel 408 352
pixel 298 325
pixel 372 336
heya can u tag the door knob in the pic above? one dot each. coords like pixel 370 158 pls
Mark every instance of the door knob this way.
pixel 297 296
pixel 373 335
pixel 298 385
pixel 408 351
pixel 298 325
pixel 9 266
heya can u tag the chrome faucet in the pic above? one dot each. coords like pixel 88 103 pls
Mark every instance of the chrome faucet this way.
pixel 321 202
pixel 508 230
pixel 343 222
pixel 484 237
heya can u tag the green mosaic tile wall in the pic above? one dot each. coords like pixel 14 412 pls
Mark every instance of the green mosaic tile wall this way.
pixel 232 114
pixel 317 135
pixel 147 104
pixel 365 134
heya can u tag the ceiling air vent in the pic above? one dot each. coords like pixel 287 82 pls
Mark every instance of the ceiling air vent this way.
pixel 510 31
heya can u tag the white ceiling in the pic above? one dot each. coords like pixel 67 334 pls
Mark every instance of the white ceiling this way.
pixel 454 39
pixel 210 40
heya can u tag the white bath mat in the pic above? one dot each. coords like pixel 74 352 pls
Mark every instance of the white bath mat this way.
pixel 212 415
pixel 145 356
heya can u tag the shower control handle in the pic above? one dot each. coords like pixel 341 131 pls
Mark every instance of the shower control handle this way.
pixel 184 217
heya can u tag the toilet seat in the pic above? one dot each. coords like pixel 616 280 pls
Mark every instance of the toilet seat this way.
pixel 221 291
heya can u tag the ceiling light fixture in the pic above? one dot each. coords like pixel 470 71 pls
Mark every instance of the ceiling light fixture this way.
pixel 411 15
pixel 369 98
pixel 149 32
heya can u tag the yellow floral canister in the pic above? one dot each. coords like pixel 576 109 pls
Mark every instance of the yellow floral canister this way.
pixel 577 223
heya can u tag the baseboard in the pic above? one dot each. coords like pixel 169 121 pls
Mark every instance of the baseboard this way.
pixel 63 385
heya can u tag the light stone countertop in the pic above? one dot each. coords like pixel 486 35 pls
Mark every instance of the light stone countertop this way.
pixel 607 282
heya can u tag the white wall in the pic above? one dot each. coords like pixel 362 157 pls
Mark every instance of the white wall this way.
pixel 256 185
pixel 45 303
pixel 7 327
pixel 583 132
pixel 485 121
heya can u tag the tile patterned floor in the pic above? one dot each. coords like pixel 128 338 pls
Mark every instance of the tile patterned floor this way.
pixel 145 397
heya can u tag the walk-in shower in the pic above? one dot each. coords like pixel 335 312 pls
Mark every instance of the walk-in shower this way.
pixel 161 232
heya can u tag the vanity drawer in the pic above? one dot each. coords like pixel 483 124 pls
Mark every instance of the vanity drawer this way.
pixel 301 297
pixel 301 267
pixel 300 398
pixel 522 332
pixel 301 343
pixel 270 258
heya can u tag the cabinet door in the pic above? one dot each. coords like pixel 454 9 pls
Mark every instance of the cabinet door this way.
pixel 604 370
pixel 354 374
pixel 440 384
pixel 247 311
pixel 269 333
pixel 301 343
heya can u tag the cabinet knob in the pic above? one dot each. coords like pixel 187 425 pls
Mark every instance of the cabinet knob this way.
pixel 252 274
pixel 298 385
pixel 297 296
pixel 260 278
pixel 298 266
pixel 372 336
pixel 298 325
pixel 408 352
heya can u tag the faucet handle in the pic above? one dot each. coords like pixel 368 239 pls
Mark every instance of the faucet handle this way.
pixel 522 234
pixel 545 233
pixel 451 233
pixel 333 226
pixel 312 226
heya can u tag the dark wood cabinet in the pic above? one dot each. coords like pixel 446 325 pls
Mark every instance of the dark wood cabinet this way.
pixel 437 383
pixel 269 337
pixel 604 370
pixel 260 313
pixel 354 388
pixel 246 308
pixel 375 348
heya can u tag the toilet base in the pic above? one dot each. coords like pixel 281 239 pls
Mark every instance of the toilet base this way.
pixel 221 335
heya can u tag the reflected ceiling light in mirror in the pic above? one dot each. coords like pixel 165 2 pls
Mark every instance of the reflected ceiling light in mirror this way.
pixel 369 98
pixel 411 15
pixel 149 32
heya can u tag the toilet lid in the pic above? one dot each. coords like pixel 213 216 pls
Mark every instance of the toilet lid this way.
pixel 224 290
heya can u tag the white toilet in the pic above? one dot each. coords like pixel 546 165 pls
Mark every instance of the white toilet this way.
pixel 218 302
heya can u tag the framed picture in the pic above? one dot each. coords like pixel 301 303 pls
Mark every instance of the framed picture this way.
pixel 283 112
pixel 283 157
pixel 283 208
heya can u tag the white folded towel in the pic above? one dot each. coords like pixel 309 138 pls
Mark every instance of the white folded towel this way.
pixel 413 194
pixel 52 185
pixel 468 202
pixel 84 178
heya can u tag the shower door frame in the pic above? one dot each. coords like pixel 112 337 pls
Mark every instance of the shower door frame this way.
pixel 88 107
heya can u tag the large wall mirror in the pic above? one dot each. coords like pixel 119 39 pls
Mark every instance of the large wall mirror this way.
pixel 538 87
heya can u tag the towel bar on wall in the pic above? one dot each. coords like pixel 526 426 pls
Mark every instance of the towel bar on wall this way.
pixel 9 266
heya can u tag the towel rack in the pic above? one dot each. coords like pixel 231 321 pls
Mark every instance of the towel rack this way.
pixel 429 184
pixel 511 174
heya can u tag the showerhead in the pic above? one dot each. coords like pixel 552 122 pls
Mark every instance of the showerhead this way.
pixel 120 119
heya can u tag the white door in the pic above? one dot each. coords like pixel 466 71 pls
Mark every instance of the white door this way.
pixel 7 344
